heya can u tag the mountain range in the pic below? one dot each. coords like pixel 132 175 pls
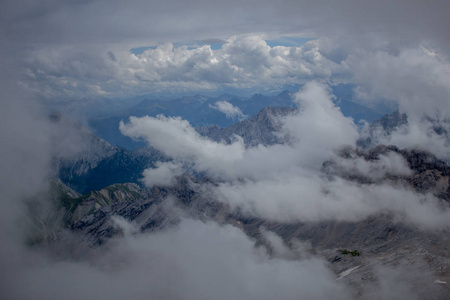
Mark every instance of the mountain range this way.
pixel 200 111
pixel 101 185
pixel 353 250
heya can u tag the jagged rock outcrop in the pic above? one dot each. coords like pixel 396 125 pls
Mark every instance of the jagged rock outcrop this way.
pixel 261 129
pixel 93 163
pixel 427 172
pixel 149 209
pixel 376 241
pixel 380 128
pixel 98 164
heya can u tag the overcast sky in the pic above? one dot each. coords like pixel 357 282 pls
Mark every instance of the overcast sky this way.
pixel 82 48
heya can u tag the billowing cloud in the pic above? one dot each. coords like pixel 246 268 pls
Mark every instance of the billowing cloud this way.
pixel 397 50
pixel 194 261
pixel 163 174
pixel 416 80
pixel 307 197
pixel 177 139
pixel 284 182
pixel 315 132
pixel 231 111
pixel 243 62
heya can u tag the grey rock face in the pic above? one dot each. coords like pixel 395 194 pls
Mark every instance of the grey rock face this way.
pixel 99 164
pixel 380 244
pixel 428 173
pixel 258 130
pixel 96 164
pixel 383 126
pixel 149 209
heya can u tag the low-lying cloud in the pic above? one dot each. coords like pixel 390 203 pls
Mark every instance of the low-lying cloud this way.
pixel 231 111
pixel 314 133
pixel 285 182
pixel 193 261
pixel 71 50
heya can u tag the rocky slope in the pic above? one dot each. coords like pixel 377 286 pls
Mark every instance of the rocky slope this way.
pixel 365 255
pixel 92 163
pixel 425 173
pixel 381 127
pixel 259 130
pixel 99 164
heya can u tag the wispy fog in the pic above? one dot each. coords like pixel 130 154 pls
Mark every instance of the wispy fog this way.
pixel 394 52
pixel 285 182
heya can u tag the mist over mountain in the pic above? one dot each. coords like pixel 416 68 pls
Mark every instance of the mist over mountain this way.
pixel 224 150
pixel 362 250
pixel 351 215
pixel 101 164
pixel 202 111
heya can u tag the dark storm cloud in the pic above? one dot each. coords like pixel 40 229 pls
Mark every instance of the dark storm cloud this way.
pixel 116 21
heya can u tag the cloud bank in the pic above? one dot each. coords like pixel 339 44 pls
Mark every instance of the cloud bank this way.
pixel 242 62
pixel 194 261
pixel 285 182
pixel 393 49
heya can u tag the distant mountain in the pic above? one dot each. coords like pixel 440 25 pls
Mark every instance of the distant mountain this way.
pixel 100 164
pixel 429 174
pixel 191 195
pixel 107 176
pixel 347 100
pixel 258 130
pixel 93 163
pixel 122 166
pixel 383 126
pixel 199 111
pixel 82 150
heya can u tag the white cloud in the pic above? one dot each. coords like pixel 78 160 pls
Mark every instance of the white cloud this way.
pixel 193 261
pixel 243 62
pixel 390 164
pixel 315 132
pixel 284 182
pixel 231 111
pixel 383 41
pixel 309 197
pixel 177 139
pixel 163 174
pixel 418 82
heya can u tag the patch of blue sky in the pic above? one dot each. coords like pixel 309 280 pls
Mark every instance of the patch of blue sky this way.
pixel 214 46
pixel 288 41
pixel 140 50
pixel 217 44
